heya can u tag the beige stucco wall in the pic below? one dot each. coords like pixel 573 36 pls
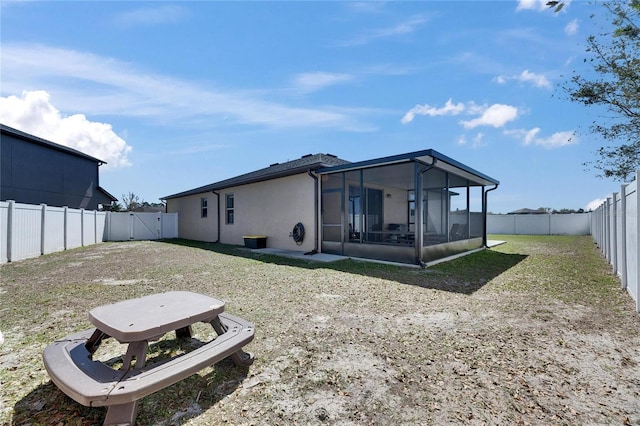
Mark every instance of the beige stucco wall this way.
pixel 190 223
pixel 270 208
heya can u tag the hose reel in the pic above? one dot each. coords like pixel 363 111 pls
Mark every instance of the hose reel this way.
pixel 298 233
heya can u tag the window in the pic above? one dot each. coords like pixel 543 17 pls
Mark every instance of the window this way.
pixel 229 209
pixel 203 207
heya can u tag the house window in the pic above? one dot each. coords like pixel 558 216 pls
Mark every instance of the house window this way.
pixel 203 207
pixel 229 209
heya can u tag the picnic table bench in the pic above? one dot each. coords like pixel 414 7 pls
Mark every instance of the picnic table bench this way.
pixel 136 322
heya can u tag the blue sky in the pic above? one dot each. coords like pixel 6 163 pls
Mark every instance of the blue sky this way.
pixel 178 95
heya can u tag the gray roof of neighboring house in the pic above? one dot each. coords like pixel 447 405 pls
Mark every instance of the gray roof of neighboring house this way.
pixel 528 211
pixel 277 170
pixel 4 129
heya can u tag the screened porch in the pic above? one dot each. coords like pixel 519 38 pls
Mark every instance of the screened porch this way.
pixel 410 208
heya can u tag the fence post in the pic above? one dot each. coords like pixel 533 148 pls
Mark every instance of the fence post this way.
pixel 607 229
pixel 43 224
pixel 623 233
pixel 10 211
pixel 66 225
pixel 82 227
pixel 637 259
pixel 95 227
pixel 614 233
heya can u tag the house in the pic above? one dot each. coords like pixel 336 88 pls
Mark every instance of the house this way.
pixel 37 171
pixel 409 208
pixel 529 211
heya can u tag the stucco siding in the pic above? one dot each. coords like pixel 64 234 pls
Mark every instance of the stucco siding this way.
pixel 271 208
pixel 191 224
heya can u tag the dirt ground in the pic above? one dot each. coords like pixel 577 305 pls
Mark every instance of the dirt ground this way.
pixel 535 331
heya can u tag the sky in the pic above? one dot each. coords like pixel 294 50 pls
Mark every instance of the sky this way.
pixel 176 95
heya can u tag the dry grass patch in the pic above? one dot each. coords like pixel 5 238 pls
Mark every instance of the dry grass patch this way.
pixel 533 331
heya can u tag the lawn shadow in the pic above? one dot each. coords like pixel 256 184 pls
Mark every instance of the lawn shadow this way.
pixel 465 274
pixel 187 399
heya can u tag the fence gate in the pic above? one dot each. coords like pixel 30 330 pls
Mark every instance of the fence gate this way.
pixel 141 226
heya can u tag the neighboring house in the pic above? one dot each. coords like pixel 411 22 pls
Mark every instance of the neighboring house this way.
pixel 409 208
pixel 529 211
pixel 37 171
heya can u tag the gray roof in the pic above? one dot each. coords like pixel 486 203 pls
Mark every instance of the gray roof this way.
pixel 430 156
pixel 301 165
pixel 4 129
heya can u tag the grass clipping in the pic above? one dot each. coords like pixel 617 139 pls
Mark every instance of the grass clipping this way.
pixel 533 331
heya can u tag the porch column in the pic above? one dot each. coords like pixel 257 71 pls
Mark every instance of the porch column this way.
pixel 419 235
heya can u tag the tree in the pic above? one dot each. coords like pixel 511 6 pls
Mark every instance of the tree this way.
pixel 615 57
pixel 115 207
pixel 131 201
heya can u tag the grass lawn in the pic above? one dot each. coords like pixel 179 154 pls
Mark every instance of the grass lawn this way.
pixel 533 331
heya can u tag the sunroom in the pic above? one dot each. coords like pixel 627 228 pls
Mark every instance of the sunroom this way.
pixel 410 208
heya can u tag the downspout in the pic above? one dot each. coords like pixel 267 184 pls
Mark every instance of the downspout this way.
pixel 218 204
pixel 316 220
pixel 484 214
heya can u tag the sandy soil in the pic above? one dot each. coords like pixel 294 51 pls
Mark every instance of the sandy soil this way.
pixel 347 344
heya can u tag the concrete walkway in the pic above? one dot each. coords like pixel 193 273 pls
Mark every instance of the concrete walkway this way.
pixel 318 257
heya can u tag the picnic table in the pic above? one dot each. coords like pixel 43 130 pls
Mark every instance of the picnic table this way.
pixel 136 322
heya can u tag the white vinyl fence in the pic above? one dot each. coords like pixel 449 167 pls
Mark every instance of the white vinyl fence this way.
pixel 615 225
pixel 28 230
pixel 539 224
pixel 141 226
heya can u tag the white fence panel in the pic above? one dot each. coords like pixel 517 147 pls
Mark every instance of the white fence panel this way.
pixel 53 230
pixel 169 225
pixel 501 224
pixel 88 227
pixel 74 228
pixel 632 224
pixel 28 230
pixel 539 224
pixel 118 227
pixel 570 224
pixel 25 236
pixel 614 227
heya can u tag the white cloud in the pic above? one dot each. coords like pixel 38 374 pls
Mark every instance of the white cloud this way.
pixel 532 5
pixel 539 5
pixel 497 115
pixel 571 28
pixel 537 80
pixel 313 81
pixel 406 27
pixel 152 15
pixel 556 140
pixel 594 204
pixel 526 76
pixel 449 108
pixel 34 114
pixel 95 85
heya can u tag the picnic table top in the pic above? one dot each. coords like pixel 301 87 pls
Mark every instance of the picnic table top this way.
pixel 150 317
